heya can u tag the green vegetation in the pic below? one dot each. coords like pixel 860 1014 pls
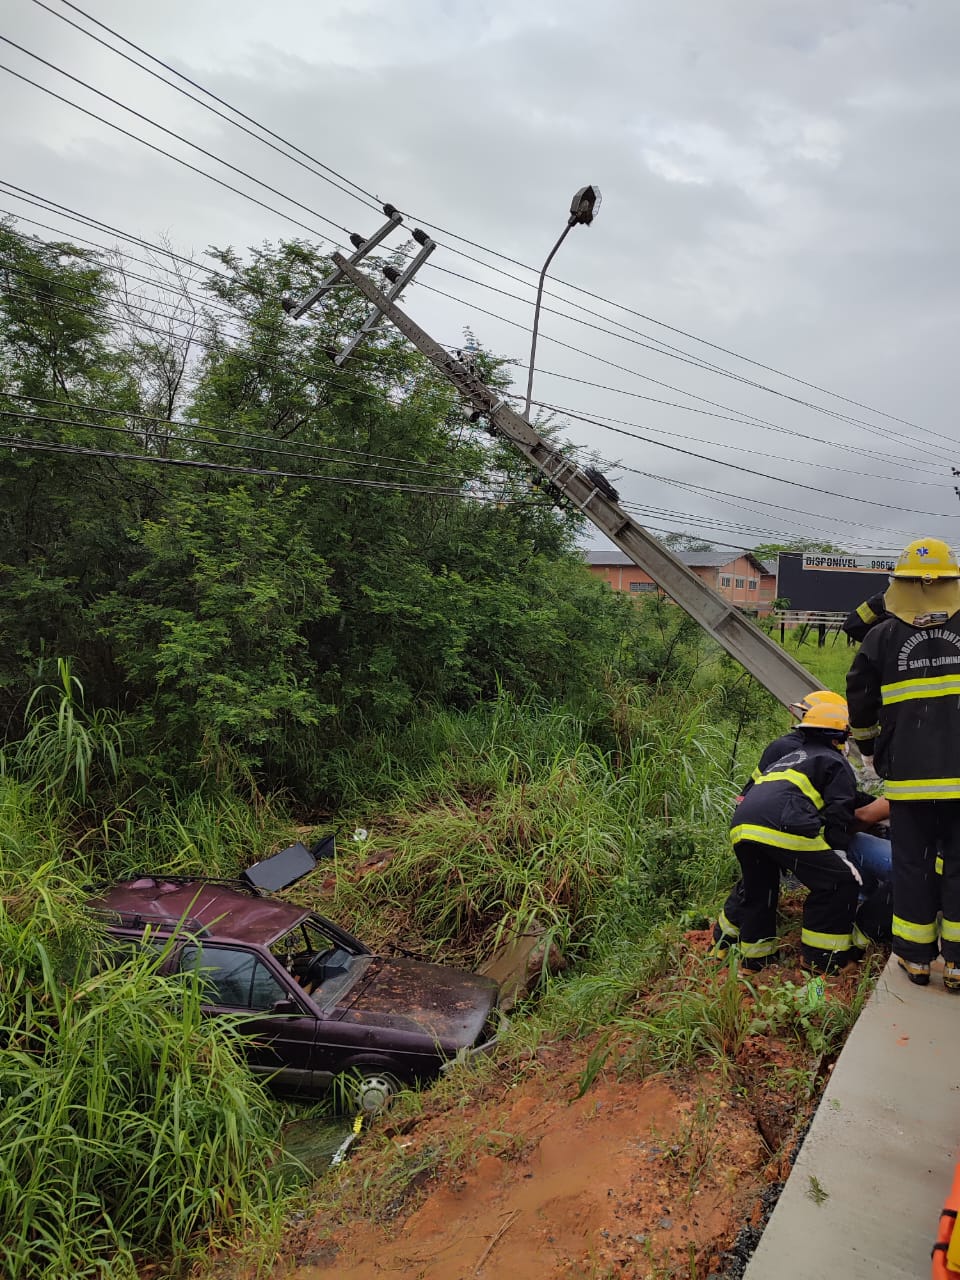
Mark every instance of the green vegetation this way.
pixel 194 659
pixel 382 554
pixel 129 1126
pixel 830 664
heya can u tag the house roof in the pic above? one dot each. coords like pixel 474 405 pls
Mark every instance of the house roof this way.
pixel 613 557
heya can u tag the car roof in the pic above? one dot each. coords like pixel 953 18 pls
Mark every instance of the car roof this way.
pixel 221 909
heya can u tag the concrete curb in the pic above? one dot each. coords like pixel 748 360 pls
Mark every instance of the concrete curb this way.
pixel 882 1146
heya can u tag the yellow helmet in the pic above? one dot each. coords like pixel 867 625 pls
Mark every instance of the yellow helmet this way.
pixel 828 715
pixel 926 559
pixel 814 698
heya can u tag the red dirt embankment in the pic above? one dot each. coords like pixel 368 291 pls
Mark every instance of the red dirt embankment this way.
pixel 518 1177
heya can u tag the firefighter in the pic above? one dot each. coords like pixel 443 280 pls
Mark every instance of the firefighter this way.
pixel 797 818
pixel 904 693
pixel 792 739
pixel 865 617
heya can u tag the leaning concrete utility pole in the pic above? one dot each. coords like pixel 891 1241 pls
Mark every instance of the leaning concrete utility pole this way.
pixel 592 494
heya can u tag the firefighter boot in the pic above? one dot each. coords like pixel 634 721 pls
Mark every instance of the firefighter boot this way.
pixel 951 977
pixel 723 940
pixel 920 973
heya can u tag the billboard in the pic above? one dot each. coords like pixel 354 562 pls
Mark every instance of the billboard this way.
pixel 818 562
pixel 836 585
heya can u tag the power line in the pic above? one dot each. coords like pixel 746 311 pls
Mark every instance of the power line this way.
pixel 19 442
pixel 747 418
pixel 738 500
pixel 333 452
pixel 370 197
pixel 169 154
pixel 763 475
pixel 661 444
pixel 153 306
pixel 172 437
pixel 236 312
pixel 95 224
pixel 298 204
pixel 746 422
pixel 719 462
pixel 178 290
pixel 723 444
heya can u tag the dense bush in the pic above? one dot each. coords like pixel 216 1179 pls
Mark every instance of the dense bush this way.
pixel 253 619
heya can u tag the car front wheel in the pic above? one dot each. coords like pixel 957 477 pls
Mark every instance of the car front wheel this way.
pixel 373 1089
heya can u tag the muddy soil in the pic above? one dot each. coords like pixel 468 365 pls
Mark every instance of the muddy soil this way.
pixel 531 1174
pixel 624 1181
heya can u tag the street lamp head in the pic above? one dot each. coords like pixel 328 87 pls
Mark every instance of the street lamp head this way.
pixel 584 206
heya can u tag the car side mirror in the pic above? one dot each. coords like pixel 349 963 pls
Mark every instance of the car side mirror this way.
pixel 285 1006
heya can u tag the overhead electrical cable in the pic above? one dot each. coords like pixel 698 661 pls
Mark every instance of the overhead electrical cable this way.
pixel 300 205
pixel 371 200
pixel 46 446
pixel 739 416
pixel 756 453
pixel 246 439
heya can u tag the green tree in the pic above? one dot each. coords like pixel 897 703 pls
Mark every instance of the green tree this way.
pixel 402 558
pixel 770 550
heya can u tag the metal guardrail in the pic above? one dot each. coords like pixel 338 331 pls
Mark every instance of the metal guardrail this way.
pixel 819 621
pixel 812 617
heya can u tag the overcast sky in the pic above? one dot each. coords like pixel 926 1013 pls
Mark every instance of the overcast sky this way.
pixel 779 177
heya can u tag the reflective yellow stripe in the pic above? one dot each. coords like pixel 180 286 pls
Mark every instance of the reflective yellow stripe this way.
pixel 950 930
pixel 859 938
pixel 756 775
pixel 755 950
pixel 862 735
pixel 780 839
pixel 911 932
pixel 923 789
pixel 728 929
pixel 938 865
pixel 865 613
pixel 826 941
pixel 922 687
pixel 798 779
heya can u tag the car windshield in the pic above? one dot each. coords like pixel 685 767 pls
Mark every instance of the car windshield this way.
pixel 322 968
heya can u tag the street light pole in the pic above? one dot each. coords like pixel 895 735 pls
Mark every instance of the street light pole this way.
pixel 583 209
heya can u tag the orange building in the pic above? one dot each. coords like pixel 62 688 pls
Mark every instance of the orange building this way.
pixel 743 580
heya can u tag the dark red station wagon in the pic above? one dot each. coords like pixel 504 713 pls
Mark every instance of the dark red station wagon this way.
pixel 321 1005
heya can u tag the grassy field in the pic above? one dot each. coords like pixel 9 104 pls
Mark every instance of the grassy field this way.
pixel 829 664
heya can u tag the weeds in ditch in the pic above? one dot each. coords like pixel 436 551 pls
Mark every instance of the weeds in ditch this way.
pixel 695 1143
pixel 701 1014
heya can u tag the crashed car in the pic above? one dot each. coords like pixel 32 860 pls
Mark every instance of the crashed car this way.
pixel 321 1006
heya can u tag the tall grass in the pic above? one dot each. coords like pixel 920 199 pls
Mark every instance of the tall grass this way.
pixel 517 814
pixel 127 1126
pixel 130 1128
pixel 64 747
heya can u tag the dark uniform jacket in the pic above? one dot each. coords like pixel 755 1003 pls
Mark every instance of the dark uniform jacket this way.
pixel 789 742
pixel 903 691
pixel 865 617
pixel 803 800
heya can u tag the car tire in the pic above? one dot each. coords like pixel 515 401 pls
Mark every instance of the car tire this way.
pixel 372 1089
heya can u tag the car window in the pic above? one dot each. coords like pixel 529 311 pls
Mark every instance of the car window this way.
pixel 119 948
pixel 320 966
pixel 237 978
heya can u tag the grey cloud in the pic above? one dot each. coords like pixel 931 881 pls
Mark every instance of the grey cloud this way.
pixel 776 177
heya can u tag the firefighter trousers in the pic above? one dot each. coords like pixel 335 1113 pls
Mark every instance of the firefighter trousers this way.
pixel 750 912
pixel 920 831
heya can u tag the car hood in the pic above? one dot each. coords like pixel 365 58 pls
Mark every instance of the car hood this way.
pixel 448 1006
